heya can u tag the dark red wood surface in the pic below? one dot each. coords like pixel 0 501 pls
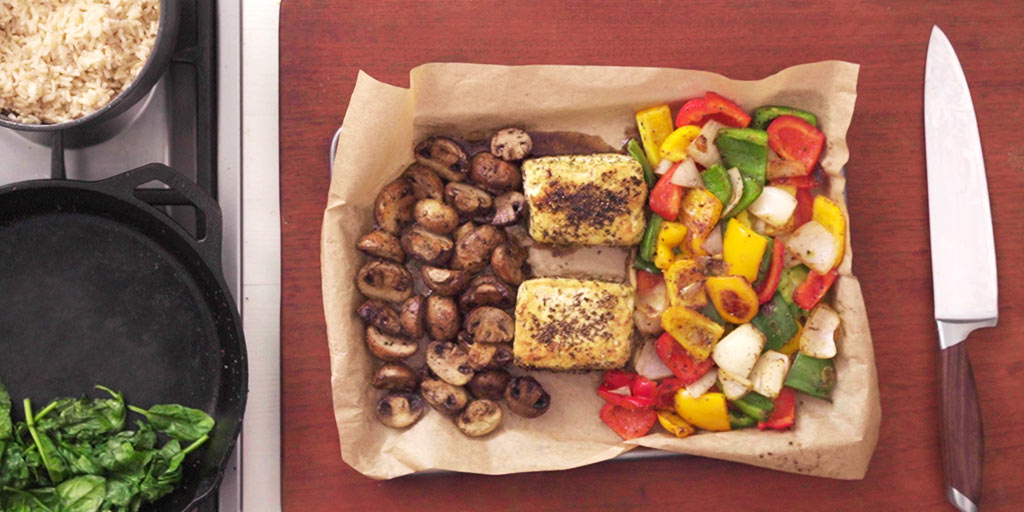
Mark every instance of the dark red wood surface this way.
pixel 324 44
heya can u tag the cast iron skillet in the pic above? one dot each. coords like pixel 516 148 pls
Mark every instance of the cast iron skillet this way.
pixel 99 287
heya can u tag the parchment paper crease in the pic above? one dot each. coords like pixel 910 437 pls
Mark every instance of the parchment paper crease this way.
pixel 382 125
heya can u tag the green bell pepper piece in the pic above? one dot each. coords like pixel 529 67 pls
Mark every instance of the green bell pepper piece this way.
pixel 711 312
pixel 746 149
pixel 764 116
pixel 775 320
pixel 738 420
pixel 717 182
pixel 650 239
pixel 765 266
pixel 637 152
pixel 755 405
pixel 813 376
pixel 790 279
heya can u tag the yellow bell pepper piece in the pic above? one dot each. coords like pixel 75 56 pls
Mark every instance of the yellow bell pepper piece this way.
pixel 694 331
pixel 655 125
pixel 709 412
pixel 670 237
pixel 790 189
pixel 743 218
pixel 793 344
pixel 674 147
pixel 684 282
pixel 827 213
pixel 733 297
pixel 742 249
pixel 675 425
pixel 699 212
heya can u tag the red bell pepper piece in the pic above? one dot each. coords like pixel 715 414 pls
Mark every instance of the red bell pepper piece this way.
pixel 667 197
pixel 800 182
pixel 679 360
pixel 628 424
pixel 646 280
pixel 767 289
pixel 813 288
pixel 795 139
pixel 804 207
pixel 692 112
pixel 712 106
pixel 641 389
pixel 664 396
pixel 784 413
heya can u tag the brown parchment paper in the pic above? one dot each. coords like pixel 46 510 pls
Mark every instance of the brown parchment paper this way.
pixel 382 125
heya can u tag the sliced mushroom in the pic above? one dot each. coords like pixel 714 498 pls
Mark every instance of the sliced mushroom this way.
pixel 444 156
pixel 479 355
pixel 400 409
pixel 489 384
pixel 380 315
pixel 393 206
pixel 449 362
pixel 463 230
pixel 507 208
pixel 414 311
pixel 395 377
pixel 526 397
pixel 479 418
pixel 435 216
pixel 473 251
pixel 487 290
pixel 511 144
pixel 389 347
pixel 487 324
pixel 470 201
pixel 509 263
pixel 443 281
pixel 381 244
pixel 426 247
pixel 494 174
pixel 444 397
pixel 425 183
pixel 384 280
pixel 442 318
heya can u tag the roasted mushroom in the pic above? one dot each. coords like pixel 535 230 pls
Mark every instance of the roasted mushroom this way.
pixel 473 251
pixel 446 398
pixel 381 244
pixel 509 263
pixel 443 281
pixel 395 377
pixel 389 347
pixel 463 230
pixel 435 216
pixel 470 201
pixel 384 280
pixel 511 144
pixel 479 418
pixel 400 409
pixel 479 355
pixel 503 357
pixel 393 206
pixel 426 247
pixel 425 183
pixel 507 208
pixel 489 384
pixel 494 174
pixel 487 290
pixel 449 362
pixel 380 315
pixel 526 397
pixel 487 324
pixel 414 311
pixel 442 318
pixel 444 156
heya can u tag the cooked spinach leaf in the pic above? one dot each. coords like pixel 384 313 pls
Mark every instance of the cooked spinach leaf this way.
pixel 180 422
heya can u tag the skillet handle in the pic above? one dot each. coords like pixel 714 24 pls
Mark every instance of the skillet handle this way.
pixel 208 241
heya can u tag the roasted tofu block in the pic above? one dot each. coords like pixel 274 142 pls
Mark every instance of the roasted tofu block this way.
pixel 573 325
pixel 585 199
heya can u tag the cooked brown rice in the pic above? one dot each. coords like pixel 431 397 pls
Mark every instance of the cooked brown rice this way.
pixel 64 59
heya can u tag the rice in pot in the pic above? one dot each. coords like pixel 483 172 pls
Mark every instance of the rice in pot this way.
pixel 64 59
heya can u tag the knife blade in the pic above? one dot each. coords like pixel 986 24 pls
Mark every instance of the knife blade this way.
pixel 963 257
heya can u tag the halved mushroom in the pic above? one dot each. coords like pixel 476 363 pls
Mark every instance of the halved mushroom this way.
pixel 396 377
pixel 400 409
pixel 442 318
pixel 479 418
pixel 427 247
pixel 449 362
pixel 494 174
pixel 473 251
pixel 463 230
pixel 444 156
pixel 511 144
pixel 389 347
pixel 487 290
pixel 414 311
pixel 509 263
pixel 489 384
pixel 380 315
pixel 393 206
pixel 425 183
pixel 487 324
pixel 384 280
pixel 435 216
pixel 479 355
pixel 444 397
pixel 470 201
pixel 444 281
pixel 507 208
pixel 503 357
pixel 381 244
pixel 526 397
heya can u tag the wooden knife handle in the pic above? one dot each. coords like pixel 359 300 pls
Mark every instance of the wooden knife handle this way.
pixel 961 428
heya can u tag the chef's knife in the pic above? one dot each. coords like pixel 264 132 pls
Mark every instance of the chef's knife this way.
pixel 963 260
